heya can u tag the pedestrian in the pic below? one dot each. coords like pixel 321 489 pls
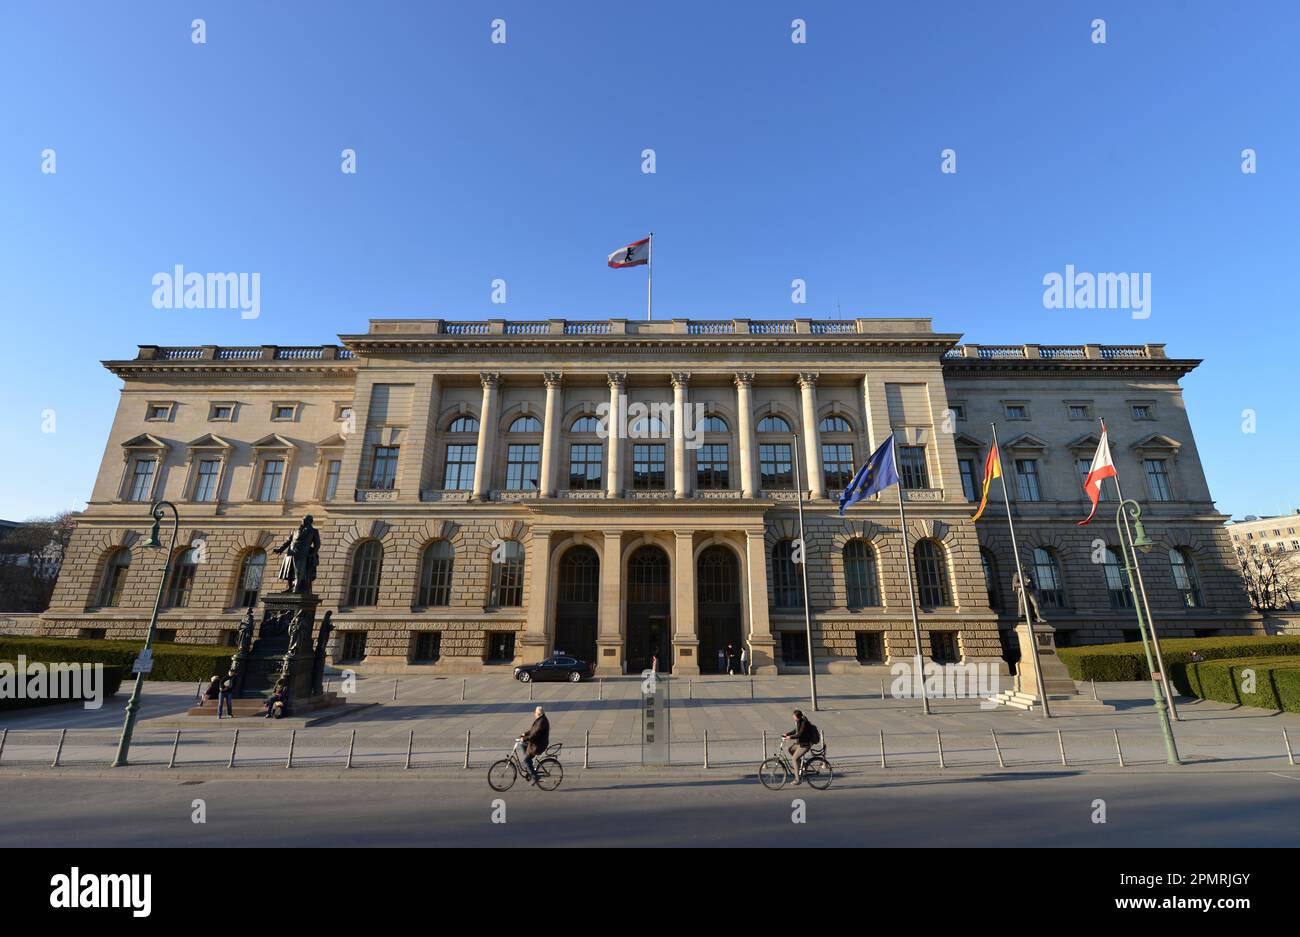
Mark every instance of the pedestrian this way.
pixel 212 691
pixel 731 660
pixel 224 704
pixel 722 661
pixel 744 659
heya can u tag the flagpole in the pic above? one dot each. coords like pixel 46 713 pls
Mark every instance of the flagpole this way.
pixel 803 545
pixel 1020 576
pixel 650 278
pixel 907 567
pixel 1151 622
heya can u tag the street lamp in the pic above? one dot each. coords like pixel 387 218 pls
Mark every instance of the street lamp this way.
pixel 133 706
pixel 1129 545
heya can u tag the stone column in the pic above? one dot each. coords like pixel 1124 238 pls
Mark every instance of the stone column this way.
pixel 762 645
pixel 686 638
pixel 535 642
pixel 610 634
pixel 551 431
pixel 745 434
pixel 681 480
pixel 614 434
pixel 812 437
pixel 487 425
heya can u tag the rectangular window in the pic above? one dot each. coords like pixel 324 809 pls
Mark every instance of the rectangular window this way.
pixel 1084 466
pixel 383 467
pixel 911 467
pixel 166 636
pixel 1143 411
pixel 158 411
pixel 794 647
pixel 91 634
pixel 459 473
pixel 1079 411
pixel 1027 487
pixel 713 467
pixel 871 646
pixel 958 411
pixel 500 646
pixel 969 487
pixel 283 412
pixel 205 485
pixel 354 646
pixel 648 467
pixel 585 466
pixel 332 478
pixel 141 480
pixel 775 467
pixel 222 411
pixel 523 466
pixel 837 466
pixel 272 480
pixel 1158 480
pixel 428 646
pixel 1017 411
pixel 943 647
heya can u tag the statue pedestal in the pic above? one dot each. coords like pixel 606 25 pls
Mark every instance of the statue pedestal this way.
pixel 1038 655
pixel 283 652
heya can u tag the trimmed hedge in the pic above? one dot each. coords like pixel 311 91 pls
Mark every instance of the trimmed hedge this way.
pixel 1112 662
pixel 1277 681
pixel 183 662
pixel 112 683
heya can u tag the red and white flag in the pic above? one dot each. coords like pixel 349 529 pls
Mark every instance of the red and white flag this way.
pixel 636 254
pixel 1102 467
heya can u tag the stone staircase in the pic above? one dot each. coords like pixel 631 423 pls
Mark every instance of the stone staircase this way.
pixel 1061 704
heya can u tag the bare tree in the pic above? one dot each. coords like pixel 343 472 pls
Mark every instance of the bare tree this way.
pixel 30 558
pixel 1271 577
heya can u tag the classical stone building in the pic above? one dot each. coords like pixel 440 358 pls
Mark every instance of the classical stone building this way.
pixel 491 492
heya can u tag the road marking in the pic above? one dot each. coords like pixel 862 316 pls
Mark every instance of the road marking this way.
pixel 1287 776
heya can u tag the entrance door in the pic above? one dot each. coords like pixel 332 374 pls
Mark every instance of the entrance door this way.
pixel 648 627
pixel 577 599
pixel 717 589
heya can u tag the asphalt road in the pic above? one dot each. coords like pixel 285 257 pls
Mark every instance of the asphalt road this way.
pixel 1219 809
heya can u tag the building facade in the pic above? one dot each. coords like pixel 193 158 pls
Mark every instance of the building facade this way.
pixel 493 492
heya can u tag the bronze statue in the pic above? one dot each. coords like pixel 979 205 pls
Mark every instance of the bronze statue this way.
pixel 1031 598
pixel 301 556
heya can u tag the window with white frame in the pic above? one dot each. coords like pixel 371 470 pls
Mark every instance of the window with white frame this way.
pixel 1158 485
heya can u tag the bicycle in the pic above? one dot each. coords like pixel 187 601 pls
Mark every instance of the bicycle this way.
pixel 777 771
pixel 547 769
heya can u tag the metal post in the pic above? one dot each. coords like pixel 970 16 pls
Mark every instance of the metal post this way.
pixel 600 695
pixel 706 749
pixel 882 749
pixel 176 743
pixel 394 691
pixel 293 737
pixel 462 691
pixel 58 752
pixel 751 687
pixel 690 689
pixel 467 731
pixel 764 758
pixel 586 748
pixel 1094 689
pixel 234 744
pixel 1060 741
pixel 1290 757
pixel 803 567
pixel 938 736
pixel 1119 751
pixel 530 691
pixel 907 567
pixel 997 748
pixel 410 746
pixel 352 745
pixel 882 687
pixel 4 734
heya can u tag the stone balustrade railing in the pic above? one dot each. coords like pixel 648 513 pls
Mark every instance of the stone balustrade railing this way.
pixel 1055 352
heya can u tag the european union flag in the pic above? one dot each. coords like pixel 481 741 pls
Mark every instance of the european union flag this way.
pixel 877 474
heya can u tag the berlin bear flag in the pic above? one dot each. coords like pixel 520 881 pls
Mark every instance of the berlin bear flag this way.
pixel 638 254
pixel 1102 467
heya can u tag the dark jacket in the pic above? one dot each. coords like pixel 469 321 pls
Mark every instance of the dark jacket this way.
pixel 805 733
pixel 538 735
pixel 212 691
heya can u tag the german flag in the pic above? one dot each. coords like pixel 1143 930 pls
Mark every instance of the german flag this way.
pixel 992 470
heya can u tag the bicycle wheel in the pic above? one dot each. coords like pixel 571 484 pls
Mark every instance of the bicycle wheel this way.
pixel 502 775
pixel 772 774
pixel 549 774
pixel 817 772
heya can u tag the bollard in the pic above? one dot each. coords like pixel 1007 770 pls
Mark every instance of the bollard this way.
pixel 293 737
pixel 234 744
pixel 1290 758
pixel 690 689
pixel 1119 752
pixel 706 749
pixel 467 749
pixel 462 691
pixel 394 691
pixel 586 748
pixel 882 748
pixel 882 687
pixel 530 691
pixel 600 692
pixel 1094 689
pixel 4 734
pixel 1060 741
pixel 938 737
pixel 764 758
pixel 998 748
pixel 410 744
pixel 352 744
pixel 751 687
pixel 176 743
pixel 58 752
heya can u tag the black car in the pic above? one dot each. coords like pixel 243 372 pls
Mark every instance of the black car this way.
pixel 555 668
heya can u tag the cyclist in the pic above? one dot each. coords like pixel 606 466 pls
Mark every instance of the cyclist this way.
pixel 804 736
pixel 538 737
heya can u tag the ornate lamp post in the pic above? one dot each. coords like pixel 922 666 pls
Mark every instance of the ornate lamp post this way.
pixel 1130 547
pixel 133 706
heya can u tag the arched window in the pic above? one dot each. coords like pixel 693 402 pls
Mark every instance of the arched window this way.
pixel 647 576
pixel 787 591
pixel 717 576
pixel 463 424
pixel 861 582
pixel 837 453
pixel 251 570
pixel 586 424
pixel 713 424
pixel 180 585
pixel 367 563
pixel 990 564
pixel 1186 580
pixel 507 576
pixel 114 581
pixel 931 574
pixel 773 424
pixel 647 427
pixel 834 424
pixel 1047 578
pixel 526 424
pixel 580 577
pixel 436 566
pixel 1120 595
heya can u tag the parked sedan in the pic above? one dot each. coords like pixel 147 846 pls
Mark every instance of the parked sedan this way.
pixel 555 668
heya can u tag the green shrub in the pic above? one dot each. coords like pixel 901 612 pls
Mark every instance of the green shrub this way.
pixel 1277 681
pixel 1112 662
pixel 112 683
pixel 184 662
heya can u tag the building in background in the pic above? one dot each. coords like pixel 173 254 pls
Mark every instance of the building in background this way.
pixel 474 511
pixel 1268 555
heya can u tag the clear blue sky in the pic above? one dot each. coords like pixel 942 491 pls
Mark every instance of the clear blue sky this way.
pixel 522 161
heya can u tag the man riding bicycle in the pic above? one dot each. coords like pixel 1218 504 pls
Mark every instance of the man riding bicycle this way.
pixel 805 736
pixel 538 737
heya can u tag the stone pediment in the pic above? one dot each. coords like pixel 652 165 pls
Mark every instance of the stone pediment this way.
pixel 274 441
pixel 1157 441
pixel 145 441
pixel 332 442
pixel 1086 442
pixel 964 441
pixel 1026 441
pixel 209 441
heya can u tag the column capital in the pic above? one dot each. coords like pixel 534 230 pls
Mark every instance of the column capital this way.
pixel 489 378
pixel 745 378
pixel 807 379
pixel 553 378
pixel 616 379
pixel 680 378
